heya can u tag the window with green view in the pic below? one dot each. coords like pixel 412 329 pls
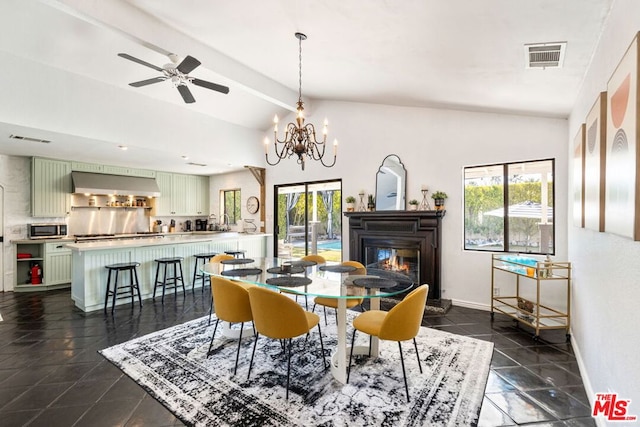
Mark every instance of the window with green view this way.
pixel 231 206
pixel 508 207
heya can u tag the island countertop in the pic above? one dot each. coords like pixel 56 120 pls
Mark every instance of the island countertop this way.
pixel 89 275
pixel 164 239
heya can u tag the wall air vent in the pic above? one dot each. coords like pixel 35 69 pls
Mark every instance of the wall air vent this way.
pixel 26 138
pixel 196 164
pixel 544 55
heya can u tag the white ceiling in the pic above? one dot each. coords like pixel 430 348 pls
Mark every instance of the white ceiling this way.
pixel 63 81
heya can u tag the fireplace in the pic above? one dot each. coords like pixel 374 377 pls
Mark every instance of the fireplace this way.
pixel 404 245
pixel 385 257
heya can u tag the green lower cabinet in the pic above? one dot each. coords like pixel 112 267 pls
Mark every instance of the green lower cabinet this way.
pixel 53 260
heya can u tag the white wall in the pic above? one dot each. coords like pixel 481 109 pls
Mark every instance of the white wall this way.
pixel 606 268
pixel 15 175
pixel 434 145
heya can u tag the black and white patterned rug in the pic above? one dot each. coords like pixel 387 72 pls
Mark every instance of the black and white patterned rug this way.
pixel 172 366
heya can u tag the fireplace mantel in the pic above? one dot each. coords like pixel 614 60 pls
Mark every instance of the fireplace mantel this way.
pixel 420 228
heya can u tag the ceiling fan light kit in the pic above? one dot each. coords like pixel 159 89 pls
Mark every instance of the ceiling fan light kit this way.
pixel 177 74
pixel 300 138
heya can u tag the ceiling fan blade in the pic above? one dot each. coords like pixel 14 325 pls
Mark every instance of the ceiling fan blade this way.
pixel 188 64
pixel 186 94
pixel 139 61
pixel 209 85
pixel 147 82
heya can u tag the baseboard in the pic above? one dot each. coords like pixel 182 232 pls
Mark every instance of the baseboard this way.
pixel 588 388
pixel 470 304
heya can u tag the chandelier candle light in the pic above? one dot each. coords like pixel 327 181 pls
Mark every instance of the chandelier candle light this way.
pixel 300 138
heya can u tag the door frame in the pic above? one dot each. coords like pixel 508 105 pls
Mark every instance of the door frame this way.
pixel 306 185
pixel 2 243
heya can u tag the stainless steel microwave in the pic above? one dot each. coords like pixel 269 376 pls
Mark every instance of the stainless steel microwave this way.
pixel 47 231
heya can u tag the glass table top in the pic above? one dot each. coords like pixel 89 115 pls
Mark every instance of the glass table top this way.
pixel 312 280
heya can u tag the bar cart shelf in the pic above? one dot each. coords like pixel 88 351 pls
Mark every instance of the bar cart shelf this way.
pixel 527 272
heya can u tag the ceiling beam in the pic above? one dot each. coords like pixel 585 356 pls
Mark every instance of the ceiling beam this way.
pixel 134 24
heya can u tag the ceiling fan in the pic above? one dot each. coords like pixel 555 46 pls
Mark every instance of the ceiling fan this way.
pixel 178 74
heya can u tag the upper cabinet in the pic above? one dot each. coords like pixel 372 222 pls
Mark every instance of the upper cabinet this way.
pixel 202 194
pixel 50 188
pixel 121 170
pixel 182 195
pixel 112 170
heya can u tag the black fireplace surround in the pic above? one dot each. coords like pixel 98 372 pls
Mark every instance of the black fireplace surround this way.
pixel 421 230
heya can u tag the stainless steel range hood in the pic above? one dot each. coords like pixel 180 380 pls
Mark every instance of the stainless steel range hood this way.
pixel 99 183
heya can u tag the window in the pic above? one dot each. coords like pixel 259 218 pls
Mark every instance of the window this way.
pixel 509 207
pixel 231 206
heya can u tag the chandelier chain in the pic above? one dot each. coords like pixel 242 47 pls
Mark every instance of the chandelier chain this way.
pixel 300 69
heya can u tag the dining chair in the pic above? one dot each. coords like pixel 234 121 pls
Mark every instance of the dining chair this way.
pixel 319 260
pixel 231 302
pixel 278 317
pixel 333 302
pixel 216 260
pixel 401 323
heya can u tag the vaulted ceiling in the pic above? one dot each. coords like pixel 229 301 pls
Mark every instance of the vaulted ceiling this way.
pixel 63 81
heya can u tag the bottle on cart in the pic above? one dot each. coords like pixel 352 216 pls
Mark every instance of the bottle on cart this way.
pixel 546 270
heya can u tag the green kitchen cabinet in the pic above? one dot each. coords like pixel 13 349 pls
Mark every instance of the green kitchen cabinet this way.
pixel 53 259
pixel 50 188
pixel 127 171
pixel 202 195
pixel 57 263
pixel 183 195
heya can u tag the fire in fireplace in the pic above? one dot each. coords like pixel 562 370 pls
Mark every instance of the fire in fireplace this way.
pixel 401 261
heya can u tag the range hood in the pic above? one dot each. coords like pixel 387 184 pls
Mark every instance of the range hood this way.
pixel 100 183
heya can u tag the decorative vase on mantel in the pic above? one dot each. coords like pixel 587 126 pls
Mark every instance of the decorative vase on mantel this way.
pixel 413 205
pixel 438 199
pixel 371 204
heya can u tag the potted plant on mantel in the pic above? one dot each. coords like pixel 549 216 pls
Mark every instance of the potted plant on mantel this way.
pixel 438 199
pixel 413 205
pixel 351 203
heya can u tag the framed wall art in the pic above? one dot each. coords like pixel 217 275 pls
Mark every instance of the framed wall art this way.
pixel 594 164
pixel 578 177
pixel 621 198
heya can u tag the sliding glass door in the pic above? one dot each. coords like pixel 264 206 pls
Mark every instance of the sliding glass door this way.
pixel 309 219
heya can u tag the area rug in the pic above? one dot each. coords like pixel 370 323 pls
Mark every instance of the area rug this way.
pixel 173 367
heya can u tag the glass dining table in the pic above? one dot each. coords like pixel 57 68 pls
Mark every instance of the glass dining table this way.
pixel 307 278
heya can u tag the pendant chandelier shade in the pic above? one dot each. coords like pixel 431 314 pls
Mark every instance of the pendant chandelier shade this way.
pixel 300 138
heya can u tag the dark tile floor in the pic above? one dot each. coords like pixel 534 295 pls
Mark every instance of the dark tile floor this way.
pixel 52 375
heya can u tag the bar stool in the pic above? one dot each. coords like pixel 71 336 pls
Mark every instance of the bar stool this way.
pixel 204 257
pixel 171 281
pixel 238 253
pixel 120 290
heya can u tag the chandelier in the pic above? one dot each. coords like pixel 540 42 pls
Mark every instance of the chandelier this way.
pixel 300 138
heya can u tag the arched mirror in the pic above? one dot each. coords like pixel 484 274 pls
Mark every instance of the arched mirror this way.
pixel 391 185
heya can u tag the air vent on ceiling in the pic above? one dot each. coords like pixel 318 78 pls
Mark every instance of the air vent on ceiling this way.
pixel 26 138
pixel 196 164
pixel 545 55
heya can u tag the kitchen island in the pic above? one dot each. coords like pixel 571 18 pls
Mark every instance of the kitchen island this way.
pixel 89 275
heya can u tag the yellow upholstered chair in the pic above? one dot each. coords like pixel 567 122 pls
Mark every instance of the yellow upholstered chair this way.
pixel 333 302
pixel 401 323
pixel 216 260
pixel 315 258
pixel 231 302
pixel 279 317
pixel 220 257
pixel 319 259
